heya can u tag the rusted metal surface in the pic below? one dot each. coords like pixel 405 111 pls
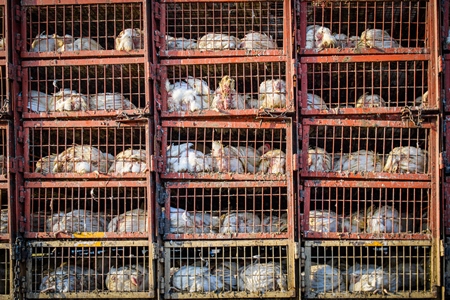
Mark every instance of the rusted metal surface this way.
pixel 5 213
pixel 103 23
pixel 403 26
pixel 89 210
pixel 445 25
pixel 446 214
pixel 379 149
pixel 214 146
pixel 6 269
pixel 116 87
pixel 47 141
pixel 181 26
pixel 235 210
pixel 345 86
pixel 270 260
pixel 367 210
pixel 446 82
pixel 90 262
pixel 369 269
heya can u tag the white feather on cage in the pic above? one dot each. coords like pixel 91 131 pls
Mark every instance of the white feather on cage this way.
pixel 272 93
pixel 129 161
pixel 315 102
pixel 355 272
pixel 180 43
pixel 4 221
pixel 319 160
pixel 47 43
pixel 68 100
pixel 46 164
pixel 79 220
pixel 273 162
pixel 384 219
pixel 135 220
pixel 324 278
pixel 262 278
pixel 39 102
pixel 82 159
pixel 377 38
pixel 406 160
pixel 275 224
pixel 257 41
pixel 109 101
pixel 323 221
pixel 130 39
pixel 79 45
pixel 68 279
pixel 217 41
pixel 183 96
pixel 370 101
pixel 128 278
pixel 227 273
pixel 240 223
pixel 250 157
pixel 359 161
pixel 181 158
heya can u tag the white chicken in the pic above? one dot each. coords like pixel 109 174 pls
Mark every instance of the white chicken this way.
pixel 39 102
pixel 130 39
pixel 2 44
pixel 226 97
pixel 257 41
pixel 354 222
pixel 68 279
pixel 48 43
pixel 275 224
pixel 109 101
pixel 323 221
pixel 174 43
pixel 46 164
pixel 324 278
pixel 68 100
pixel 262 278
pixel 79 220
pixel 4 221
pixel 196 279
pixel 272 93
pixel 318 160
pixel 315 102
pixel 375 281
pixel 181 158
pixel 82 159
pixel 135 220
pixel 406 160
pixel 217 41
pixel 184 222
pixel 225 159
pixel 250 157
pixel 129 161
pixel 273 162
pixel 240 223
pixel 128 278
pixel 182 97
pixel 80 44
pixel 227 273
pixel 202 89
pixel 370 101
pixel 359 161
pixel 421 100
pixel 377 38
pixel 384 219
pixel 319 37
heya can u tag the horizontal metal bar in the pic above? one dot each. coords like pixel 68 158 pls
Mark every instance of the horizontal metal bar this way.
pixel 222 53
pixel 228 113
pixel 362 123
pixel 358 236
pixel 87 235
pixel 118 115
pixel 206 184
pixel 63 243
pixel 221 236
pixel 87 295
pixel 372 52
pixel 84 53
pixel 230 124
pixel 87 184
pixel 366 175
pixel 281 178
pixel 226 1
pixel 227 243
pixel 85 123
pixel 363 184
pixel 344 295
pixel 364 58
pixel 69 2
pixel 84 176
pixel 231 295
pixel 368 243
pixel 5 246
pixel 223 60
pixel 83 62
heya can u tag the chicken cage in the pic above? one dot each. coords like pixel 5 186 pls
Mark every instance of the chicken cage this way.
pixel 61 269
pixel 99 209
pixel 369 210
pixel 5 272
pixel 199 87
pixel 446 212
pixel 86 149
pixel 238 150
pixel 65 29
pixel 445 26
pixel 222 28
pixel 368 27
pixel 229 269
pixel 5 215
pixel 445 97
pixel 232 210
pixel 3 29
pixel 381 149
pixel 115 87
pixel 369 269
pixel 357 86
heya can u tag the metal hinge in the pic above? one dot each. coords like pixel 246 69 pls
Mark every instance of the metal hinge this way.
pixel 162 224
pixel 19 42
pixel 299 161
pixel 296 250
pixel 157 10
pixel 155 251
pixel 156 164
pixel 154 71
pixel 19 103
pixel 158 102
pixel 301 194
pixel 22 193
pixel 17 13
pixel 159 38
pixel 19 134
pixel 161 194
pixel 19 164
pixel 159 133
pixel 14 72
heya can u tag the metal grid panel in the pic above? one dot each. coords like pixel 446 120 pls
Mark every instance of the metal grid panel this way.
pixel 5 272
pixel 184 28
pixel 50 148
pixel 75 270
pixel 226 150
pixel 5 216
pixel 368 149
pixel 228 87
pixel 446 83
pixel 367 210
pixel 235 210
pixel 446 215
pixel 4 151
pixel 341 86
pixel 402 27
pixel 55 30
pixel 366 269
pixel 3 29
pixel 87 210
pixel 229 269
pixel 72 90
pixel 445 25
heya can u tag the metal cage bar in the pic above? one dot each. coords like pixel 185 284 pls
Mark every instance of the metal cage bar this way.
pixel 369 269
pixel 87 149
pixel 239 210
pixel 229 269
pixel 6 275
pixel 81 269
pixel 368 149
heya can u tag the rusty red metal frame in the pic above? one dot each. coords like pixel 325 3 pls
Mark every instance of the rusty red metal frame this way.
pixel 324 131
pixel 190 12
pixel 271 198
pixel 413 201
pixel 4 204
